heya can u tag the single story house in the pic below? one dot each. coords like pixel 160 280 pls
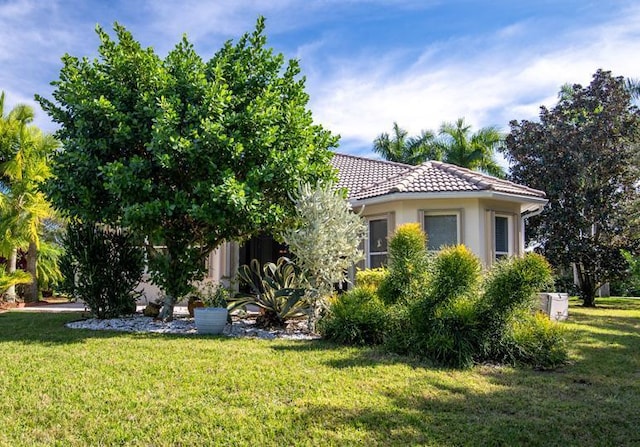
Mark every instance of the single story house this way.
pixel 454 205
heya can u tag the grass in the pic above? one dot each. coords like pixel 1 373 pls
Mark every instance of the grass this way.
pixel 75 387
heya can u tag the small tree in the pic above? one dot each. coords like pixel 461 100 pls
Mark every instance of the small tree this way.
pixel 190 153
pixel 325 241
pixel 583 153
pixel 103 268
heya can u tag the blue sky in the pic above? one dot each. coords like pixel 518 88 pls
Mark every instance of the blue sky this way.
pixel 368 63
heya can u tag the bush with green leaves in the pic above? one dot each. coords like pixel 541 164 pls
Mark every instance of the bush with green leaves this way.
pixel 357 317
pixel 444 320
pixel 534 340
pixel 212 294
pixel 443 309
pixel 371 277
pixel 276 288
pixel 459 319
pixel 408 265
pixel 48 269
pixel 512 285
pixel 107 265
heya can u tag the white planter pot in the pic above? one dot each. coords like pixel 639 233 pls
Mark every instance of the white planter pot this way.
pixel 210 320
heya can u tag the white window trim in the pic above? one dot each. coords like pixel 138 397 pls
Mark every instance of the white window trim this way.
pixel 458 212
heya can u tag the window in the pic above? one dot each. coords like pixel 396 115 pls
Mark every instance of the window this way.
pixel 377 253
pixel 502 236
pixel 441 229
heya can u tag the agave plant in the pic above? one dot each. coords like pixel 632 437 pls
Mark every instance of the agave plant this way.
pixel 275 289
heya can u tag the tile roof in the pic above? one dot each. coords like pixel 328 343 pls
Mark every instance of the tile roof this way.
pixel 365 178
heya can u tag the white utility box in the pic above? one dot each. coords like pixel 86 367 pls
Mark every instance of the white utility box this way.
pixel 556 305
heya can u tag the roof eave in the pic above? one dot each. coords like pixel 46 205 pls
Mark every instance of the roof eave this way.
pixel 528 203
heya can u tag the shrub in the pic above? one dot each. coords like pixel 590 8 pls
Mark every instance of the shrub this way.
pixel 12 279
pixel 371 277
pixel 212 294
pixel 106 264
pixel 453 336
pixel 325 240
pixel 456 272
pixel 357 317
pixel 408 265
pixel 275 288
pixel 535 340
pixel 400 337
pixel 444 322
pixel 512 285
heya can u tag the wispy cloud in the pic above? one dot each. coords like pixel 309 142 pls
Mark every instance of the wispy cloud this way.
pixel 508 74
pixel 359 78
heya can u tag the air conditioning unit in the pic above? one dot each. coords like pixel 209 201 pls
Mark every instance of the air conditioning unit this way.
pixel 556 305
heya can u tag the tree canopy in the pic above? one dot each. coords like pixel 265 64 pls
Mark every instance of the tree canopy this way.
pixel 455 144
pixel 402 148
pixel 189 152
pixel 24 167
pixel 475 151
pixel 584 154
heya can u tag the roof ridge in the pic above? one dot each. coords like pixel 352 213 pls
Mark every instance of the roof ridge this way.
pixel 402 184
pixel 474 177
pixel 482 179
pixel 409 176
pixel 377 160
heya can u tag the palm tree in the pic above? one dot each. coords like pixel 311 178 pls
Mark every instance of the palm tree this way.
pixel 24 152
pixel 404 149
pixel 473 151
pixel 633 87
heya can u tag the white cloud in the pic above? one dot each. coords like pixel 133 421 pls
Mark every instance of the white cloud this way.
pixel 363 96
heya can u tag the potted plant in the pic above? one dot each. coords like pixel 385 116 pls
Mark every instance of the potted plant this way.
pixel 213 317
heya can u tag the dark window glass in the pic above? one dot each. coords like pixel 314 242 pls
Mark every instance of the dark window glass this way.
pixel 376 261
pixel 377 236
pixel 502 236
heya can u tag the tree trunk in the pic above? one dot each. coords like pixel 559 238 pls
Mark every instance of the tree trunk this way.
pixel 166 313
pixel 10 294
pixel 31 290
pixel 586 286
pixel 589 301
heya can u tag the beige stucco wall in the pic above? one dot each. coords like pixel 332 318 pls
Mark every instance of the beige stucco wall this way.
pixel 475 216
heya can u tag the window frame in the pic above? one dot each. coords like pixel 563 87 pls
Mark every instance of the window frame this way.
pixel 368 252
pixel 497 255
pixel 457 212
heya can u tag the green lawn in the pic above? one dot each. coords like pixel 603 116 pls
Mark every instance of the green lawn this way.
pixel 72 387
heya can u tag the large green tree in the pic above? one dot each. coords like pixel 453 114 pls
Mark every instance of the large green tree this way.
pixel 583 154
pixel 402 148
pixel 455 144
pixel 24 167
pixel 186 151
pixel 459 146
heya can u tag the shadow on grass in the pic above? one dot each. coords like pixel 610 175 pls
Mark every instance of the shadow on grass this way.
pixel 523 408
pixel 49 328
pixel 594 400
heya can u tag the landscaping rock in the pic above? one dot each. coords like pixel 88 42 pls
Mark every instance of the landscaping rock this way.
pixel 242 327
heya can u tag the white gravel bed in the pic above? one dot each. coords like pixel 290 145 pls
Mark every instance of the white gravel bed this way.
pixel 186 325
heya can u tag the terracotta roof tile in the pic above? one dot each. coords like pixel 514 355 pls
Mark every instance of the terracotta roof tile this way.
pixel 366 178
